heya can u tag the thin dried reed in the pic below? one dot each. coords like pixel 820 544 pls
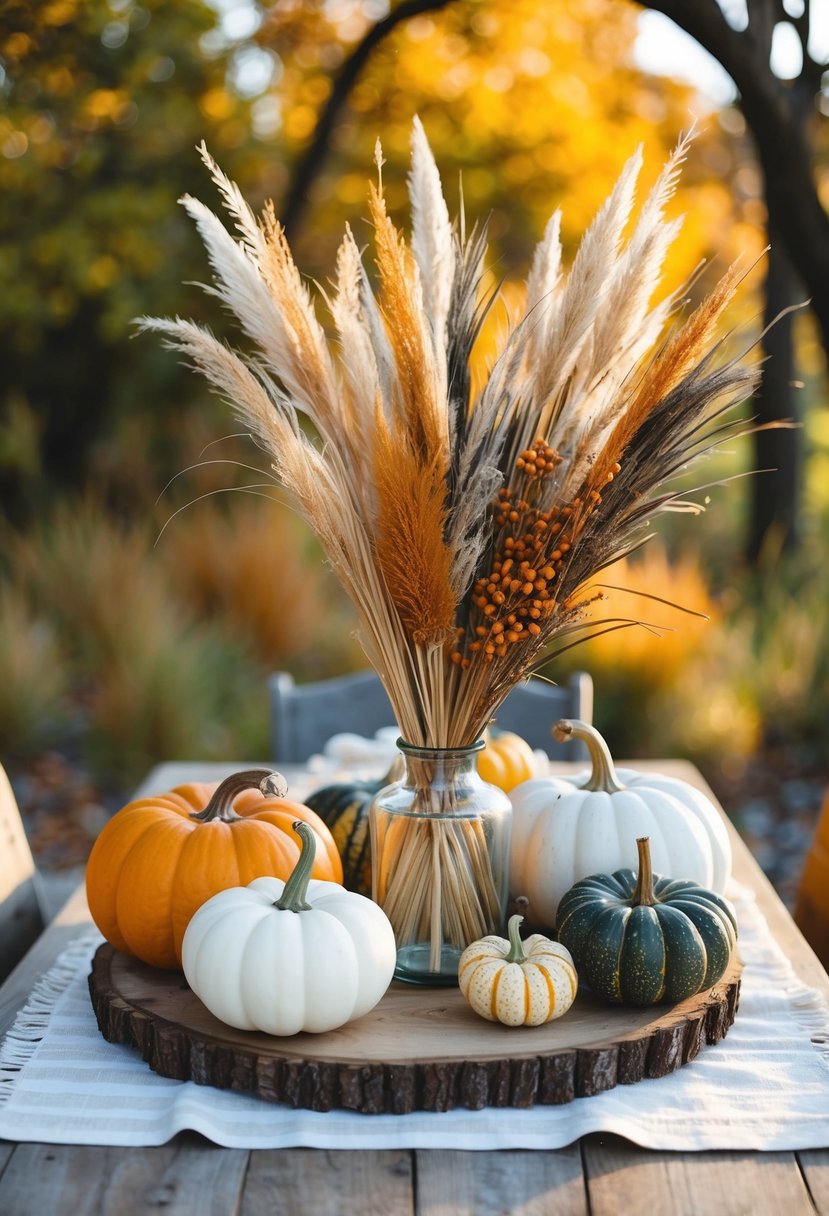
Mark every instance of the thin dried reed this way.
pixel 464 525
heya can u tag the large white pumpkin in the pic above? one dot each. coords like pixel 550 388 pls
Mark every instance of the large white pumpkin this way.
pixel 565 830
pixel 285 957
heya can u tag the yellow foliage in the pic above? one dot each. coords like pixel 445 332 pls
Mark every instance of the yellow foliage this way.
pixel 59 12
pixel 216 104
pixel 687 692
pixel 102 272
pixel 17 46
pixel 103 104
pixel 657 660
pixel 299 122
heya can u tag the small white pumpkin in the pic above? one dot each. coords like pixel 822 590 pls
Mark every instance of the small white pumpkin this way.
pixel 289 956
pixel 563 831
pixel 518 983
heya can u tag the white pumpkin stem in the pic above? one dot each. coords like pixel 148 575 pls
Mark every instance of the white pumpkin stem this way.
pixel 516 946
pixel 603 776
pixel 643 892
pixel 293 898
pixel 270 784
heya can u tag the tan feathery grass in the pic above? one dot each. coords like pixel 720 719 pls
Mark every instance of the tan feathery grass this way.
pixel 252 570
pixel 33 678
pixel 462 525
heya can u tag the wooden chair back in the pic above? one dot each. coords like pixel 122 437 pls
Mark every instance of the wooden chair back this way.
pixel 21 909
pixel 305 716
pixel 531 709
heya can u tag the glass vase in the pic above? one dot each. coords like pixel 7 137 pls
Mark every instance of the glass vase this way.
pixel 440 840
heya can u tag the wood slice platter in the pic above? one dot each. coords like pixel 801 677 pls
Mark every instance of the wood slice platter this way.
pixel 419 1049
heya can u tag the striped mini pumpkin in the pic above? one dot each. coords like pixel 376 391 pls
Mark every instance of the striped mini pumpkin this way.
pixel 518 983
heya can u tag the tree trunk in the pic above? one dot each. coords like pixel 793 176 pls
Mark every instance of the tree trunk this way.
pixel 779 117
pixel 775 493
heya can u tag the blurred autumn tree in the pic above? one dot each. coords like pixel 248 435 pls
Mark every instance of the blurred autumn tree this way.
pixel 540 101
pixel 101 106
pixel 103 102
pixel 787 121
pixel 535 105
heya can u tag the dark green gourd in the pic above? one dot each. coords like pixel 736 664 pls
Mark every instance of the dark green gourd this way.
pixel 638 939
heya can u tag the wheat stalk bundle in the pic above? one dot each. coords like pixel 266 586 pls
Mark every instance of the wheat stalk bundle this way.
pixel 463 526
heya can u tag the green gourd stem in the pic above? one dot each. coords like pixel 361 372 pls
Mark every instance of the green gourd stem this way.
pixel 643 892
pixel 292 898
pixel 516 946
pixel 220 806
pixel 603 776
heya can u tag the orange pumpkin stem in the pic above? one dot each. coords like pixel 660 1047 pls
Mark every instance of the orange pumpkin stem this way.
pixel 270 784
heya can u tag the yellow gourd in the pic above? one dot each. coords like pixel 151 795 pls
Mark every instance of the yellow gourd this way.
pixel 506 761
pixel 518 983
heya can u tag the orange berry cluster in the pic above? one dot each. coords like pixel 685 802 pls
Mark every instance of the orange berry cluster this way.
pixel 518 592
pixel 538 461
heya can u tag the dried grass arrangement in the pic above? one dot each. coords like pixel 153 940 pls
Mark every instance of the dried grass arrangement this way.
pixel 464 529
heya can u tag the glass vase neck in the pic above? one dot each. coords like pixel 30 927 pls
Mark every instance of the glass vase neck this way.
pixel 439 765
pixel 438 753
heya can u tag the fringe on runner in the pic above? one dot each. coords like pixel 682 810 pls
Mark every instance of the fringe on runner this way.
pixel 31 1024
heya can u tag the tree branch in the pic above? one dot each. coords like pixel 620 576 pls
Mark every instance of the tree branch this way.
pixel 310 161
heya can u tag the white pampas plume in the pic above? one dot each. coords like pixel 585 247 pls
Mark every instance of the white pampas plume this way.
pixel 586 284
pixel 271 418
pixel 544 278
pixel 432 239
pixel 239 282
pixel 236 205
pixel 347 309
pixel 637 270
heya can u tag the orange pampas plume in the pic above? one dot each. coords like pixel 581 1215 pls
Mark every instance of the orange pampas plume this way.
pixel 413 555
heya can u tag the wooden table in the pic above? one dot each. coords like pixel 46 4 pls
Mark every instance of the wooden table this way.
pixel 598 1175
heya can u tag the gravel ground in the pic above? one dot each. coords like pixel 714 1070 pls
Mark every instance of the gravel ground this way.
pixel 774 804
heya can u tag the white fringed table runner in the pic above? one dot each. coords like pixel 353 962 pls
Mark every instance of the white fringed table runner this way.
pixel 765 1087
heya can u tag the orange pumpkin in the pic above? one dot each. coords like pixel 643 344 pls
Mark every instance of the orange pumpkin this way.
pixel 161 858
pixel 506 761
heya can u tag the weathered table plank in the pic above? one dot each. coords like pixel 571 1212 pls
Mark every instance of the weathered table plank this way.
pixel 624 1180
pixel 815 1166
pixel 294 1182
pixel 188 1175
pixel 491 1184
